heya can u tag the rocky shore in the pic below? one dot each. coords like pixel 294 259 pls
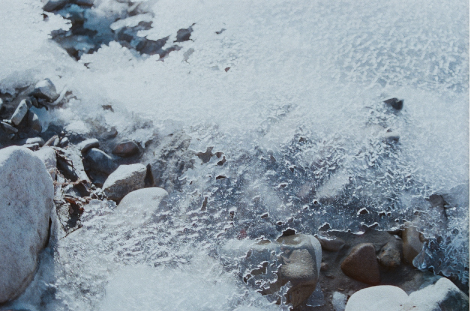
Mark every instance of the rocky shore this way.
pixel 49 177
pixel 160 160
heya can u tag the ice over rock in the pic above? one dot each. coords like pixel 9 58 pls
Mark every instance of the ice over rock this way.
pixel 27 195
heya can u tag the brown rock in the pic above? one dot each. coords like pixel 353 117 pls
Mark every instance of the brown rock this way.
pixel 126 149
pixel 390 256
pixel 412 243
pixel 361 264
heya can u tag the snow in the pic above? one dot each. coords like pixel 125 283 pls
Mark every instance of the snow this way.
pixel 301 82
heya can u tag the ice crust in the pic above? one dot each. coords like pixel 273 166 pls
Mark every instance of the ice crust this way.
pixel 291 92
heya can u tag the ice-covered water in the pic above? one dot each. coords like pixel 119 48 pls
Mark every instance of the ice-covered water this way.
pixel 291 93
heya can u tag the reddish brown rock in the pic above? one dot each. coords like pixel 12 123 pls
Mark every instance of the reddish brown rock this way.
pixel 126 149
pixel 361 264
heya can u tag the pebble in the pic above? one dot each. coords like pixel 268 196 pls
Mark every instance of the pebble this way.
pixel 8 128
pixel 301 266
pixel 125 179
pixel 338 301
pixel 395 103
pixel 378 298
pixel 37 140
pixel 361 264
pixel 20 112
pixel 100 161
pixel 45 89
pixel 33 122
pixel 412 244
pixel 390 255
pixel 53 5
pixel 86 145
pixel 126 149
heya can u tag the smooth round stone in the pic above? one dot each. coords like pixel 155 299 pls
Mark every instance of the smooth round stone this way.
pixel 378 298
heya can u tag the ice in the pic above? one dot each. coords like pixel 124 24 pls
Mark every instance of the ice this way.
pixel 291 93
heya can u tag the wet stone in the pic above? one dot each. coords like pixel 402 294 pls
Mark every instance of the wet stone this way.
pixel 390 255
pixel 86 145
pixel 8 128
pixel 125 179
pixel 53 5
pixel 126 149
pixel 100 161
pixel 361 264
pixel 37 140
pixel 20 112
pixel 33 122
pixel 395 103
pixel 412 243
pixel 46 90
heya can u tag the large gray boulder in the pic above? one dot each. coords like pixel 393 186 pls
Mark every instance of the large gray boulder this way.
pixel 125 179
pixel 26 193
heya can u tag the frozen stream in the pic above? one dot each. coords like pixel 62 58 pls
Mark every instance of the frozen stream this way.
pixel 291 93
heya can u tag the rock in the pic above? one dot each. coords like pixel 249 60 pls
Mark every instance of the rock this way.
pixel 20 112
pixel 378 298
pixel 339 301
pixel 53 141
pixel 125 179
pixel 390 255
pixel 412 243
pixel 361 264
pixel 126 149
pixel 1 105
pixel 33 122
pixel 64 142
pixel 86 145
pixel 137 207
pixel 100 161
pixel 395 103
pixel 301 261
pixel 8 128
pixel 37 140
pixel 27 196
pixel 45 89
pixel 442 296
pixel 48 157
pixel 53 5
pixel 184 34
pixel 330 243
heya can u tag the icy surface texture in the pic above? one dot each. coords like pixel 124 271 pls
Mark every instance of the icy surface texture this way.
pixel 290 95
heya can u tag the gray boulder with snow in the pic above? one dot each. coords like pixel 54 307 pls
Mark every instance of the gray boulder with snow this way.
pixel 125 179
pixel 27 194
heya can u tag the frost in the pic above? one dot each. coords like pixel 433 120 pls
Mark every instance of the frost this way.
pixel 285 101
